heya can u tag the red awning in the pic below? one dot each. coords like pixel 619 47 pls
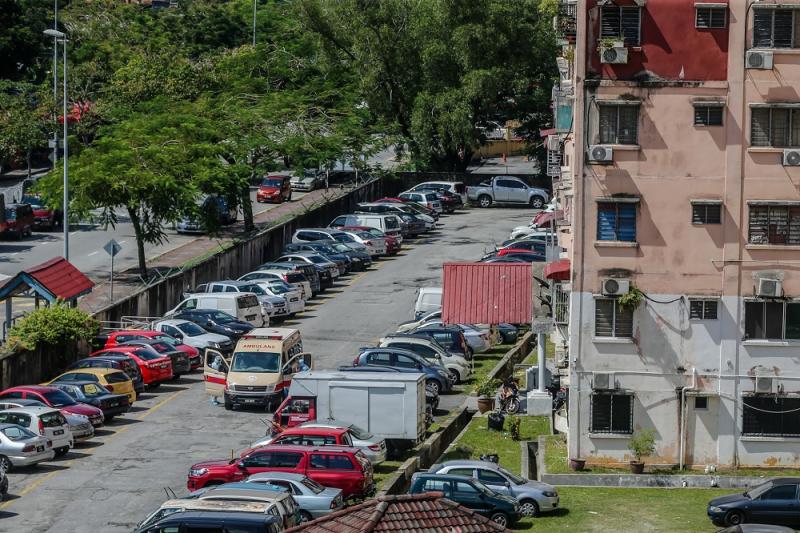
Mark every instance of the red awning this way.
pixel 487 293
pixel 548 132
pixel 557 270
pixel 53 280
pixel 544 217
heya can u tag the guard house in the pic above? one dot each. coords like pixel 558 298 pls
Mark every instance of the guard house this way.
pixel 56 279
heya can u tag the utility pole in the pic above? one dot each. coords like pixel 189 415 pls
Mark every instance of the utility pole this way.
pixel 62 38
pixel 55 83
pixel 255 5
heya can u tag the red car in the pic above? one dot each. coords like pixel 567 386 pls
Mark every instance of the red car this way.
pixel 55 398
pixel 393 245
pixel 115 338
pixel 507 251
pixel 275 188
pixel 155 368
pixel 341 467
pixel 44 217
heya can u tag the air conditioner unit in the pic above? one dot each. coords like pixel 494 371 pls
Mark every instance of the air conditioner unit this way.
pixel 769 288
pixel 758 59
pixel 601 154
pixel 617 55
pixel 615 287
pixel 603 381
pixel 766 385
pixel 791 158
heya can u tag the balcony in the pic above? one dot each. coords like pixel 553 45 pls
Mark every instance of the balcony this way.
pixel 567 20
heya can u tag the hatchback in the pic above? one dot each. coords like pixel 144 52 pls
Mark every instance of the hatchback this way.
pixel 115 338
pixel 276 189
pixel 331 466
pixel 79 425
pixel 773 502
pixel 180 361
pixel 240 522
pixel 45 421
pixel 117 359
pixel 373 447
pixel 375 247
pixel 393 243
pixel 154 367
pixel 22 447
pixel 216 322
pixel 425 198
pixel 115 381
pixel 345 262
pixel 457 366
pixel 92 393
pixel 313 499
pixel 193 335
pixel 452 338
pixel 279 500
pixel 53 397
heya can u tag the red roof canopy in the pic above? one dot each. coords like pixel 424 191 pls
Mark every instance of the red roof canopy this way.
pixel 487 293
pixel 557 270
pixel 53 280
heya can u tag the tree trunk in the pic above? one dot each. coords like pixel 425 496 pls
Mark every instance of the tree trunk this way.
pixel 137 230
pixel 247 208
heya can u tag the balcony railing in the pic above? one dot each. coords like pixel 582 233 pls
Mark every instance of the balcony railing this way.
pixel 567 20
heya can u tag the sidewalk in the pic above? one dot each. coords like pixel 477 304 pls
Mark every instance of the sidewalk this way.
pixel 128 282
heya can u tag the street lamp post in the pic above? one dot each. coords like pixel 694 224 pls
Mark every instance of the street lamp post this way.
pixel 62 38
pixel 254 21
pixel 55 82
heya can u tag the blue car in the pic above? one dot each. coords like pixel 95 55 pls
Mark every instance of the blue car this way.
pixel 436 376
pixel 775 502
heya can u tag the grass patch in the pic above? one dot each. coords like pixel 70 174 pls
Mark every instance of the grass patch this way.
pixel 483 363
pixel 601 509
pixel 477 440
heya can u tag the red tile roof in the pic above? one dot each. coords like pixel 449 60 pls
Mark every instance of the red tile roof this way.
pixel 59 277
pixel 487 293
pixel 404 513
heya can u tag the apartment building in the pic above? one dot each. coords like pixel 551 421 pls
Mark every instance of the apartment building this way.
pixel 678 148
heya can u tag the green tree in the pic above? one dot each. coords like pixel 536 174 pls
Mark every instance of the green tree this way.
pixel 55 325
pixel 23 123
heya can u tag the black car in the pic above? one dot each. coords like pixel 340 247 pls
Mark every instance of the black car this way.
pixel 775 502
pixel 515 258
pixel 349 250
pixel 117 361
pixel 436 377
pixel 342 261
pixel 180 361
pixel 323 272
pixel 216 322
pixel 94 394
pixel 451 337
pixel 307 270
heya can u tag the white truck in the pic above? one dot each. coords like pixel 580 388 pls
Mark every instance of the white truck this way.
pixel 388 405
pixel 507 190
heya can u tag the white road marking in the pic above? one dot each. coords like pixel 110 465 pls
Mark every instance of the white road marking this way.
pixel 93 253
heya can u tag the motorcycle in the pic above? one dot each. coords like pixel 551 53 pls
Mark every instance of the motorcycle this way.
pixel 509 402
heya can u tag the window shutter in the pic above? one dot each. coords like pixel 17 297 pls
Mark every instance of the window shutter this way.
pixel 606 222
pixel 759 125
pixel 703 17
pixel 794 133
pixel 773 320
pixel 621 413
pixel 792 321
pixel 601 412
pixel 610 22
pixel 604 317
pixel 714 214
pixel 762 28
pixel 628 124
pixel 608 124
pixel 794 226
pixel 778 224
pixel 714 116
pixel 700 115
pixel 696 309
pixel 626 222
pixel 780 127
pixel 784 28
pixel 718 16
pixel 710 309
pixel 759 223
pixel 623 323
pixel 698 214
pixel 630 20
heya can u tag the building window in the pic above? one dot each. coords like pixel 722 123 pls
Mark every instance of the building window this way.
pixel 624 22
pixel 611 319
pixel 701 403
pixel 771 416
pixel 774 224
pixel 703 309
pixel 616 221
pixel 619 123
pixel 708 115
pixel 775 28
pixel 612 413
pixel 771 320
pixel 706 213
pixel 710 17
pixel 775 126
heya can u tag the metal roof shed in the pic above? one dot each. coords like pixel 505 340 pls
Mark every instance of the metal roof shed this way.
pixel 487 293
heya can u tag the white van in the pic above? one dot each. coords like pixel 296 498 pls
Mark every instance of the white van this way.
pixel 391 225
pixel 429 299
pixel 242 305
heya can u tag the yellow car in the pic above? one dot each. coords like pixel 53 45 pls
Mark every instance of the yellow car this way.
pixel 115 381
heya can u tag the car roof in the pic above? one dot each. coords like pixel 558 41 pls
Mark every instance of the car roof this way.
pixel 216 505
pixel 173 322
pixel 288 476
pixel 783 480
pixel 145 332
pixel 306 449
pixel 23 402
pixel 31 409
pixel 314 431
pixel 443 476
pixel 97 371
pixel 121 349
pixel 402 351
pixel 77 383
pixel 468 462
pixel 246 492
pixel 4 425
pixel 32 388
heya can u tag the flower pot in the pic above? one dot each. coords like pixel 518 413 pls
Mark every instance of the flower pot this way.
pixel 485 404
pixel 637 467
pixel 577 464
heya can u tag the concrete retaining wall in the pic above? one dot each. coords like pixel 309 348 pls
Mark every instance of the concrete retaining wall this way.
pixel 505 367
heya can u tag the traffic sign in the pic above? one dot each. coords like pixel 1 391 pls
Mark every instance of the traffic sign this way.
pixel 112 247
pixel 542 326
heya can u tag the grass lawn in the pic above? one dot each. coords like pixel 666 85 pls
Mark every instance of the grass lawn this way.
pixel 477 440
pixel 633 510
pixel 484 362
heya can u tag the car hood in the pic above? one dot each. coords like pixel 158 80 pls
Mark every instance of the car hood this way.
pixel 268 188
pixel 533 485
pixel 730 498
pixel 211 337
pixel 217 464
pixel 274 300
pixel 82 409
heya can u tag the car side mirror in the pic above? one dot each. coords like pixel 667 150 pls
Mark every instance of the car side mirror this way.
pixel 241 466
pixel 179 336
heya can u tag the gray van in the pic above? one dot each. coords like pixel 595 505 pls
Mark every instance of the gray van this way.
pixel 391 225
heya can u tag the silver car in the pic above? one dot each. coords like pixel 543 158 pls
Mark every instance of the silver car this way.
pixel 22 447
pixel 80 425
pixel 313 499
pixel 45 421
pixel 533 496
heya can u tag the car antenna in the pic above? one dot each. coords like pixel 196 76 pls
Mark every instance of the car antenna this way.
pixel 170 493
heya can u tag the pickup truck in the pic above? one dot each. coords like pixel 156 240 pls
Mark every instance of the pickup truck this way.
pixel 507 190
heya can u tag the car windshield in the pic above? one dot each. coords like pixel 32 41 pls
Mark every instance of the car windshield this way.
pixel 18 433
pixel 191 329
pixel 339 247
pixel 375 232
pixel 58 398
pixel 162 347
pixel 255 289
pixel 315 487
pixel 344 237
pixel 360 433
pixel 271 182
pixel 147 355
pixel 317 259
pixel 757 491
pixel 73 391
pixel 259 362
pixel 513 477
pixel 167 339
pixel 278 289
pixel 11 214
pixel 220 317
pixel 35 203
pixel 92 390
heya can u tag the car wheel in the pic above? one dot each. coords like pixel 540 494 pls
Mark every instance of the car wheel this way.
pixel 454 377
pixel 5 464
pixel 61 452
pixel 305 516
pixel 529 508
pixel 108 419
pixel 500 519
pixel 434 386
pixel 154 385
pixel 228 405
pixel 734 518
pixel 537 202
pixel 485 200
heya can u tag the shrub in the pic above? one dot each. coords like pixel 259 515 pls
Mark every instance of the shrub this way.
pixel 56 324
pixel 514 424
pixel 643 444
pixel 487 387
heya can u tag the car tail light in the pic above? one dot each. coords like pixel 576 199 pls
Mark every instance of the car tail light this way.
pixel 374 447
pixel 109 387
pixel 28 448
pixel 355 361
pixel 368 243
pixel 41 427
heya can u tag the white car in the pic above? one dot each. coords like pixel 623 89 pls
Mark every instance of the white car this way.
pixel 294 279
pixel 45 421
pixel 193 335
pixel 276 287
pixel 458 367
pixel 375 246
pixel 529 231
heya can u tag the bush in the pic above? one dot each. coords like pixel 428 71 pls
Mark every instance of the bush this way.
pixel 514 424
pixel 56 324
pixel 643 444
pixel 487 387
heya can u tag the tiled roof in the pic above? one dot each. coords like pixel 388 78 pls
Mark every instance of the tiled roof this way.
pixel 404 513
pixel 54 279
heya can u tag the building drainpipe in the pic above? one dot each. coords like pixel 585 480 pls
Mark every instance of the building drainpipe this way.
pixel 682 435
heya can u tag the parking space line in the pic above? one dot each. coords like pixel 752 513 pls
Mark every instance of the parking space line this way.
pixel 161 404
pixel 32 486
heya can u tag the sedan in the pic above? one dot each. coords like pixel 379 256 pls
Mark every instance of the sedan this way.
pixel 79 425
pixel 22 447
pixel 773 502
pixel 375 247
pixel 393 244
pixel 93 394
pixel 313 499
pixel 214 321
pixel 154 368
pixel 277 287
pixel 373 447
pixel 193 335
pixel 180 361
pixel 315 259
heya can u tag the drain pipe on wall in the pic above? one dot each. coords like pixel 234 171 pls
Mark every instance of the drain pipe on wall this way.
pixel 692 387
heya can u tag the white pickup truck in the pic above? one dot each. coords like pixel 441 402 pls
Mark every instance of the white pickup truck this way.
pixel 507 190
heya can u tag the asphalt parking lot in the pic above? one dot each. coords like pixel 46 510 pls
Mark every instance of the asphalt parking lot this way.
pixel 113 481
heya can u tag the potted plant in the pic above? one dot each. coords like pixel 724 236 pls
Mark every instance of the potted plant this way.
pixel 611 42
pixel 577 464
pixel 642 444
pixel 486 390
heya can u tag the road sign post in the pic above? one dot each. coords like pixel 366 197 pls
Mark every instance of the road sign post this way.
pixel 112 248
